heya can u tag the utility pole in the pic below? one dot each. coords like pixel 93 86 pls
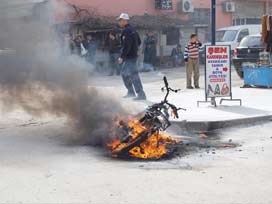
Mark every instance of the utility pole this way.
pixel 213 21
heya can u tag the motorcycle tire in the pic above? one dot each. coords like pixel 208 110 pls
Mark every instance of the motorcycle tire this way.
pixel 143 136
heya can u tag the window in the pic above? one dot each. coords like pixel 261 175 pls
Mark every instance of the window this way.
pixel 245 21
pixel 237 21
pixel 253 21
pixel 251 42
pixel 200 14
pixel 226 35
pixel 164 4
pixel 243 33
pixel 220 35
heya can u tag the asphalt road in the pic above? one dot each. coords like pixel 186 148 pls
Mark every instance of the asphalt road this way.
pixel 41 163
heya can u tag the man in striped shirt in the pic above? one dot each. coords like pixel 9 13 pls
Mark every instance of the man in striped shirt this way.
pixel 191 57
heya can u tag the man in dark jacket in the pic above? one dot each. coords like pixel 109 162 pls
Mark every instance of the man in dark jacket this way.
pixel 91 46
pixel 129 54
pixel 150 51
pixel 114 51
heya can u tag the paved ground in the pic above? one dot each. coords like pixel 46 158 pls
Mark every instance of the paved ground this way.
pixel 256 102
pixel 39 164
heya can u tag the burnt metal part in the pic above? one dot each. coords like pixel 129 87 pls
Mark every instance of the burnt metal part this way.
pixel 131 144
pixel 155 119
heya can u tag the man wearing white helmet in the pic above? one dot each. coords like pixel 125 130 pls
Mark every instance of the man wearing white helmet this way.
pixel 129 54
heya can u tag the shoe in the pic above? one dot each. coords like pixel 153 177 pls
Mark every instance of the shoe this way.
pixel 140 97
pixel 190 87
pixel 129 95
pixel 197 87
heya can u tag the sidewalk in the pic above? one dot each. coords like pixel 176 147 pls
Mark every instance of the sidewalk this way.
pixel 256 103
pixel 256 107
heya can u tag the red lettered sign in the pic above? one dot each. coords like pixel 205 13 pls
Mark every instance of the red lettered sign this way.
pixel 218 70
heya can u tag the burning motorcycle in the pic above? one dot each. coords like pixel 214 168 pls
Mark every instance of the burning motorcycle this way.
pixel 142 137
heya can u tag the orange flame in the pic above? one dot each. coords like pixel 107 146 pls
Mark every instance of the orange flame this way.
pixel 155 147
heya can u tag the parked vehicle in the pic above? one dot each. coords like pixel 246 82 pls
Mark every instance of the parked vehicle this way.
pixel 232 36
pixel 248 51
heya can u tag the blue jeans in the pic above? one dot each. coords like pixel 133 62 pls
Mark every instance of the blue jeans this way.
pixel 114 65
pixel 131 77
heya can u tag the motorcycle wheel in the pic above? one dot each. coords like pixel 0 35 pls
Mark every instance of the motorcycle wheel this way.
pixel 143 136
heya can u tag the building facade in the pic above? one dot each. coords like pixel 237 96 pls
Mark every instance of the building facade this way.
pixel 188 16
pixel 195 19
pixel 194 16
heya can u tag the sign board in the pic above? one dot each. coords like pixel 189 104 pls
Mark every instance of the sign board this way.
pixel 218 71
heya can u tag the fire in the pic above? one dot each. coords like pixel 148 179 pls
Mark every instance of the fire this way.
pixel 154 146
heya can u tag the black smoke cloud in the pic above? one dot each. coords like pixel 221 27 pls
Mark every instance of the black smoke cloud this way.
pixel 37 77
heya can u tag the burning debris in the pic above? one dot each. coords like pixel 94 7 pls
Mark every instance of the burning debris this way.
pixel 141 137
pixel 137 141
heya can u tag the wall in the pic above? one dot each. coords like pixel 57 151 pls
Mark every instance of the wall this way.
pixel 223 19
pixel 253 9
pixel 245 8
pixel 114 8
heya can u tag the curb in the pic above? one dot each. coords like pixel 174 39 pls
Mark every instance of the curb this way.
pixel 206 126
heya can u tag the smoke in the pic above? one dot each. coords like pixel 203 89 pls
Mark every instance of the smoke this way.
pixel 39 78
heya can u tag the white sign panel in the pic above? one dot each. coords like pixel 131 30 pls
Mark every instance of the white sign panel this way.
pixel 218 71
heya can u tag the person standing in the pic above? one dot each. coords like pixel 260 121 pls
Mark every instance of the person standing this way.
pixel 68 45
pixel 150 51
pixel 91 46
pixel 78 45
pixel 177 56
pixel 130 41
pixel 114 51
pixel 191 57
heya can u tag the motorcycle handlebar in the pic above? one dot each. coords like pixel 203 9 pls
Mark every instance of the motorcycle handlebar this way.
pixel 167 86
pixel 165 81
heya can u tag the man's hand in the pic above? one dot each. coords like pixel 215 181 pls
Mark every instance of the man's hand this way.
pixel 120 60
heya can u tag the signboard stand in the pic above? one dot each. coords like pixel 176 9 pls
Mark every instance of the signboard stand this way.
pixel 218 75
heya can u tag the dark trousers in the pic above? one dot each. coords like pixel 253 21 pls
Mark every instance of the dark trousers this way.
pixel 131 77
pixel 114 66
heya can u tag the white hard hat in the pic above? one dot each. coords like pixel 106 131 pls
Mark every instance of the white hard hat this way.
pixel 124 16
